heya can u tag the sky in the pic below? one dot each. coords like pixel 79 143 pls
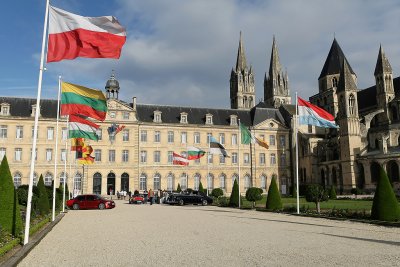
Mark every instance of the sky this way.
pixel 181 53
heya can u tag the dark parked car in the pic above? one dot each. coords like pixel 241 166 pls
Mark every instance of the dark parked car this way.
pixel 90 202
pixel 193 197
pixel 136 199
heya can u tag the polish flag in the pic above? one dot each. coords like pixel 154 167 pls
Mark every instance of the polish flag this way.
pixel 72 36
pixel 179 160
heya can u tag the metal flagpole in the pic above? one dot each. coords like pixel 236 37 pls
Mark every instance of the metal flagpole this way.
pixel 41 68
pixel 297 157
pixel 65 167
pixel 56 151
pixel 68 151
pixel 208 161
pixel 239 141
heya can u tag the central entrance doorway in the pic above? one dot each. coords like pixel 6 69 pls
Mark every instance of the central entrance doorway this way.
pixel 111 184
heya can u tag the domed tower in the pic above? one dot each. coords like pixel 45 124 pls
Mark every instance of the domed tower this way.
pixel 112 87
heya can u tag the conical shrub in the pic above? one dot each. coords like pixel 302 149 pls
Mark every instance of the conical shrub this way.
pixel 201 188
pixel 43 204
pixel 10 215
pixel 332 192
pixel 234 199
pixel 385 206
pixel 178 189
pixel 274 201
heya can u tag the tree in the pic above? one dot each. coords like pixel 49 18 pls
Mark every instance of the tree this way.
pixel 178 189
pixel 201 188
pixel 234 199
pixel 332 192
pixel 253 194
pixel 316 193
pixel 10 214
pixel 43 204
pixel 274 201
pixel 385 206
pixel 217 192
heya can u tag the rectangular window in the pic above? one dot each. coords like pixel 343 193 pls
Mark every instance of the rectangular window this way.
pixel 99 133
pixel 221 159
pixel 3 131
pixel 282 140
pixel 64 133
pixel 246 158
pixel 272 140
pixel 49 153
pixel 50 133
pixel 283 160
pixel 222 138
pixel 234 139
pixel 111 155
pixel 209 137
pixel 125 135
pixel 35 154
pixel 2 152
pixel 97 154
pixel 262 158
pixel 125 115
pixel 143 136
pixel 63 155
pixel 170 157
pixel 143 156
pixel 197 138
pixel 234 158
pixel 170 137
pixel 18 154
pixel 210 158
pixel 273 159
pixel 157 156
pixel 183 137
pixel 125 155
pixel 157 136
pixel 20 132
pixel 33 131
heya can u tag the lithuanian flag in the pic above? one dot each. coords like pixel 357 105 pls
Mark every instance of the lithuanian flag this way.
pixel 79 100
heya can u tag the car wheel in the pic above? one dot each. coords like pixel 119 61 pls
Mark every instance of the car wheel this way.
pixel 204 202
pixel 181 202
pixel 75 206
pixel 101 206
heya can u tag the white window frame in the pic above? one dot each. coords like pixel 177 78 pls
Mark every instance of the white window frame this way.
pixel 125 155
pixel 50 133
pixel 19 134
pixel 18 154
pixel 111 155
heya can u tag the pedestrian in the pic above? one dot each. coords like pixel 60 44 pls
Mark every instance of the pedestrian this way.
pixel 118 196
pixel 124 194
pixel 151 195
pixel 129 194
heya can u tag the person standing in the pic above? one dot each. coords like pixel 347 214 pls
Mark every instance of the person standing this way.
pixel 151 196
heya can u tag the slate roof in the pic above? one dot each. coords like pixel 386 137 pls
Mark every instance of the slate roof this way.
pixel 22 107
pixel 334 61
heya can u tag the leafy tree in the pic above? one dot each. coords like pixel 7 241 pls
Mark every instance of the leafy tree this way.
pixel 43 203
pixel 253 194
pixel 201 188
pixel 10 214
pixel 217 192
pixel 274 201
pixel 385 206
pixel 316 193
pixel 178 189
pixel 332 192
pixel 234 199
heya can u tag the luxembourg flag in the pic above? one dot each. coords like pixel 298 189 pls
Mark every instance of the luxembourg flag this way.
pixel 72 36
pixel 313 115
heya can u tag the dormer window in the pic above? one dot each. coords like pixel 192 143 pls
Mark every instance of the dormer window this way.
pixel 5 109
pixel 184 117
pixel 157 116
pixel 34 110
pixel 209 119
pixel 234 120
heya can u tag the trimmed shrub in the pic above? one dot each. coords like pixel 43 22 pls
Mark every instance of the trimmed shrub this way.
pixel 253 194
pixel 234 198
pixel 274 201
pixel 201 188
pixel 43 203
pixel 332 192
pixel 217 192
pixel 316 193
pixel 223 201
pixel 356 191
pixel 10 214
pixel 385 206
pixel 178 189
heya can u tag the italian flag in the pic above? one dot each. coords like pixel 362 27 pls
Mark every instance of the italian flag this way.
pixel 80 127
pixel 194 153
pixel 76 99
pixel 179 160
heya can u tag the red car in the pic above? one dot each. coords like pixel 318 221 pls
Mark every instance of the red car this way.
pixel 136 199
pixel 90 202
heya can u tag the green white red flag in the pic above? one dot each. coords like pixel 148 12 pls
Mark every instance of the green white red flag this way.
pixel 194 153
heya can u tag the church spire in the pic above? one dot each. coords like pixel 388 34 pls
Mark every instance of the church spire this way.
pixel 241 57
pixel 382 63
pixel 346 80
pixel 274 65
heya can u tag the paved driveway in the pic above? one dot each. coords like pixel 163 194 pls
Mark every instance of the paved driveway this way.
pixel 159 235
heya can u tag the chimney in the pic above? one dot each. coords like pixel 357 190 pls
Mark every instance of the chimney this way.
pixel 134 103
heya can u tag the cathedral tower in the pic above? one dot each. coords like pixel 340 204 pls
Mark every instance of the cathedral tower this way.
pixel 384 86
pixel 276 85
pixel 242 82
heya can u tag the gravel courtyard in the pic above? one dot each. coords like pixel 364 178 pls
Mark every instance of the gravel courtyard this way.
pixel 161 235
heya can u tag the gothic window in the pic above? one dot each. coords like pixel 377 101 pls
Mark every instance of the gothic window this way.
pixel 352 103
pixel 334 82
pixel 250 102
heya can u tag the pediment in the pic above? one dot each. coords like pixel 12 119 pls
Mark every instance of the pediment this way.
pixel 117 105
pixel 271 124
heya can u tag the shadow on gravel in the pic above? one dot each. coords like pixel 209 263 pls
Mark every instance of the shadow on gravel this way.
pixel 394 243
pixel 223 211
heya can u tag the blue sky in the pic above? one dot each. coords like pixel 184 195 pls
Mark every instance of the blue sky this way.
pixel 182 52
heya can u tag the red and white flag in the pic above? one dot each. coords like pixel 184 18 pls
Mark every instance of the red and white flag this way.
pixel 72 36
pixel 179 160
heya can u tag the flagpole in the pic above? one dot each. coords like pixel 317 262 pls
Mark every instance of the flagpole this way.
pixel 297 157
pixel 239 142
pixel 41 68
pixel 68 151
pixel 65 167
pixel 208 163
pixel 56 150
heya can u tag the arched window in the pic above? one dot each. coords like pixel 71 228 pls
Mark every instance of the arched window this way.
pixel 48 178
pixel 247 181
pixel 157 182
pixel 222 179
pixel 210 181
pixel 97 183
pixel 17 179
pixel 375 169
pixel 392 170
pixel 352 103
pixel 170 182
pixel 143 182
pixel 63 177
pixel 184 181
pixel 78 181
pixel 334 82
pixel 235 177
pixel 125 182
pixel 35 179
pixel 196 178
pixel 263 182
